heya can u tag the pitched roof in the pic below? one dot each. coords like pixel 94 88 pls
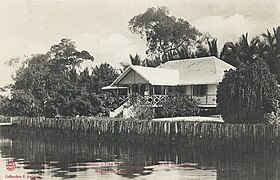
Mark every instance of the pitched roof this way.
pixel 206 70
pixel 154 76
pixel 113 87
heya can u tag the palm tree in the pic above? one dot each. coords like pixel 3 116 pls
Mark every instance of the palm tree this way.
pixel 243 52
pixel 136 60
pixel 152 62
pixel 213 48
pixel 249 51
pixel 229 54
pixel 272 51
pixel 184 52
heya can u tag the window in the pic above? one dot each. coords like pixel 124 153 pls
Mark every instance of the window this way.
pixel 180 89
pixel 199 90
pixel 159 90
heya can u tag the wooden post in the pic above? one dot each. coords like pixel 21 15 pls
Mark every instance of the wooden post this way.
pixel 191 91
pixel 165 92
pixel 130 89
pixel 153 89
pixel 139 88
pixel 118 91
pixel 127 91
pixel 148 88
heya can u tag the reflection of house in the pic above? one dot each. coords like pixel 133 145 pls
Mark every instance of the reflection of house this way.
pixel 197 77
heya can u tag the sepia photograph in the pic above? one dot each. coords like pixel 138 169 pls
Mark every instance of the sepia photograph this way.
pixel 140 89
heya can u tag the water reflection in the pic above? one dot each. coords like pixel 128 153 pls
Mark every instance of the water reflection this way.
pixel 84 159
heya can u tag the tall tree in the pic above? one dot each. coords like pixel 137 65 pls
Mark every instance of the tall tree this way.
pixel 51 82
pixel 165 34
pixel 104 75
pixel 272 51
pixel 64 89
pixel 247 94
pixel 65 56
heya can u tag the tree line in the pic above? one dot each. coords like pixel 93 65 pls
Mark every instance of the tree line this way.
pixel 52 83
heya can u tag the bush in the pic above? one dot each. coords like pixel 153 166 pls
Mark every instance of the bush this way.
pixel 247 94
pixel 272 118
pixel 141 110
pixel 178 105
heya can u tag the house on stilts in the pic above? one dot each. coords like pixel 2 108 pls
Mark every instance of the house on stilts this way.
pixel 197 78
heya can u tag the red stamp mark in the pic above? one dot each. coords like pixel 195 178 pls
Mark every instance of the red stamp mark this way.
pixel 10 165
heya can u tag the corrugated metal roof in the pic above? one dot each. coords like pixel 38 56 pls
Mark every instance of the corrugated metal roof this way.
pixel 206 70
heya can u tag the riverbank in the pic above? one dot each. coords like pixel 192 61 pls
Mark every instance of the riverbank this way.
pixel 191 119
pixel 210 134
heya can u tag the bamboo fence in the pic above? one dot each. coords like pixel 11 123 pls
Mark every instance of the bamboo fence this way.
pixel 182 132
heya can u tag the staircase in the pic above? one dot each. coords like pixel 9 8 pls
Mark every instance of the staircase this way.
pixel 119 111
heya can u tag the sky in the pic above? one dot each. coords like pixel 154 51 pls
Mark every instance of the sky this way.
pixel 101 26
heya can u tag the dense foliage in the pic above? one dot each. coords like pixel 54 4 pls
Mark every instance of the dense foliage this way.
pixel 266 46
pixel 51 84
pixel 258 64
pixel 168 37
pixel 271 51
pixel 142 109
pixel 178 105
pixel 245 95
pixel 175 105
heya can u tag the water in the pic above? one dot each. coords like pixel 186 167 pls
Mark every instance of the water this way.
pixel 38 158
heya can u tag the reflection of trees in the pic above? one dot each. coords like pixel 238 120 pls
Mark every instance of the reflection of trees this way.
pixel 248 165
pixel 65 154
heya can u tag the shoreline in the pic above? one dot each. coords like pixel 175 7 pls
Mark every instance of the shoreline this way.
pixel 204 134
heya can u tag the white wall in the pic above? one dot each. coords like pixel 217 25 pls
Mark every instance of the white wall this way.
pixel 212 89
pixel 188 90
pixel 132 78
